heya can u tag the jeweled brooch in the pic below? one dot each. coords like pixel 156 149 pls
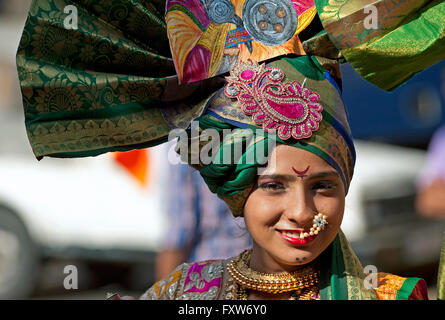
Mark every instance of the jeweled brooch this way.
pixel 289 108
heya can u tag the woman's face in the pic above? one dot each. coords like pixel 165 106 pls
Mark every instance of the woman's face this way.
pixel 294 187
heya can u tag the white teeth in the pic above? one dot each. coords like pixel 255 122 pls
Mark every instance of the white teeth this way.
pixel 295 235
pixel 291 234
pixel 300 235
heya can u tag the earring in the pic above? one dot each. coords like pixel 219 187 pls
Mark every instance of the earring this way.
pixel 320 221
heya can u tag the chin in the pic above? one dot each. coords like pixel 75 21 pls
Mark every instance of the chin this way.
pixel 298 257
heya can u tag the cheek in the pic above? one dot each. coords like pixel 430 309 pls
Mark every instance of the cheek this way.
pixel 260 210
pixel 334 210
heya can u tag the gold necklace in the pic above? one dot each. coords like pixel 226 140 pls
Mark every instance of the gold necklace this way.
pixel 303 283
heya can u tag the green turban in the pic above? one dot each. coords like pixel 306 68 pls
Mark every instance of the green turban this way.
pixel 232 179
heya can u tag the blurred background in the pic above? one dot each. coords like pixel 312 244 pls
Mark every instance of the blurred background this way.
pixel 104 215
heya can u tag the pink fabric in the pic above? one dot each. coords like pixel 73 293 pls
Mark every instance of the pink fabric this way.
pixel 197 268
pixel 247 75
pixel 302 5
pixel 292 110
pixel 197 64
pixel 195 7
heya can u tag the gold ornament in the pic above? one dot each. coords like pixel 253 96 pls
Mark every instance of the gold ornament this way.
pixel 303 282
pixel 320 222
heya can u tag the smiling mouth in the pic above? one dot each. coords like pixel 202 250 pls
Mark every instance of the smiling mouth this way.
pixel 300 237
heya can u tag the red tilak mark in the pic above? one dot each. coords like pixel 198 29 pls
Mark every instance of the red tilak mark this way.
pixel 301 174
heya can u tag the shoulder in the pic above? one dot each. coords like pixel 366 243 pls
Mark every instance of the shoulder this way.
pixel 198 280
pixel 166 288
pixel 392 287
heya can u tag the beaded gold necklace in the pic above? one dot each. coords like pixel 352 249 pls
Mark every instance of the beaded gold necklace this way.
pixel 302 283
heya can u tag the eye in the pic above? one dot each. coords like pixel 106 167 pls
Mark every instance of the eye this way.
pixel 324 185
pixel 271 186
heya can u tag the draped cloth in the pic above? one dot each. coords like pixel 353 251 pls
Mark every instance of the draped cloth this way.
pixel 385 41
pixel 109 85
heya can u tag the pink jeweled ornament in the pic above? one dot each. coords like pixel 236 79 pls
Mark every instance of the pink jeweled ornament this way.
pixel 289 108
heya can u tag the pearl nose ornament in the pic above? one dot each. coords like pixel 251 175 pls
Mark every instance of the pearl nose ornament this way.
pixel 319 223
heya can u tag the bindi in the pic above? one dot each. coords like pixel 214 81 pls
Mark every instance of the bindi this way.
pixel 301 174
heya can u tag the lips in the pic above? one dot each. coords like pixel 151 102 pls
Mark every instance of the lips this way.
pixel 294 237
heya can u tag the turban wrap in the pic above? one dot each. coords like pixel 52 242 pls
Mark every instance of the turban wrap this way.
pixel 232 180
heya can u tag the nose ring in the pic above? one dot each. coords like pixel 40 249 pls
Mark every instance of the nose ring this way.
pixel 320 221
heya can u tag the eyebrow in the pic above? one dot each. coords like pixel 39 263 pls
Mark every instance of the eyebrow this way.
pixel 291 177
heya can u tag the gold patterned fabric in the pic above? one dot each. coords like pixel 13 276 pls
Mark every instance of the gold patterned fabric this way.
pixel 105 86
pixel 386 41
pixel 190 281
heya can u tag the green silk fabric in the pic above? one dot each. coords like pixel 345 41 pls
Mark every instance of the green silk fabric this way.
pixel 230 175
pixel 410 37
pixel 342 276
pixel 99 88
pixel 341 273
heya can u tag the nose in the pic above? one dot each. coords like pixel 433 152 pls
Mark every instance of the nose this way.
pixel 300 209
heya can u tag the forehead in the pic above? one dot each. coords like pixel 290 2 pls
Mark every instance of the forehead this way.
pixel 284 157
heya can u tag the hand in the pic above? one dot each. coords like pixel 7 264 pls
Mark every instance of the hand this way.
pixel 429 201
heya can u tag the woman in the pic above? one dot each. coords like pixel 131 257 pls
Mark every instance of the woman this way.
pixel 294 208
pixel 108 86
